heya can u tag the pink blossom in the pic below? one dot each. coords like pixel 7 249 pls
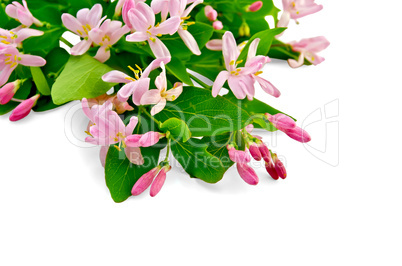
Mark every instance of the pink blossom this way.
pixel 16 36
pixel 265 153
pixel 10 58
pixel 144 140
pixel 22 14
pixel 8 91
pixel 121 3
pixel 217 25
pixel 214 45
pixel 281 121
pixel 119 106
pixel 279 167
pixel 149 178
pixel 136 86
pixel 308 49
pixel 142 19
pixel 159 181
pixel 247 174
pixel 254 151
pixel 295 9
pixel 298 134
pixel 159 96
pixel 107 35
pixel 177 8
pixel 210 13
pixel 86 21
pixel 24 108
pixel 270 167
pixel 238 156
pixel 254 7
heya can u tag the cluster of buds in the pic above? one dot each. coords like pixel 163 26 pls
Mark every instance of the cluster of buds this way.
pixel 156 176
pixel 10 57
pixel 212 15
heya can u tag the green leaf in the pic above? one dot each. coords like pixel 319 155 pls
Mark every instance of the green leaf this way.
pixel 208 64
pixel 3 16
pixel 177 68
pixel 81 78
pixel 42 45
pixel 204 114
pixel 266 38
pixel 121 175
pixel 197 161
pixel 40 80
pixel 55 62
pixel 177 128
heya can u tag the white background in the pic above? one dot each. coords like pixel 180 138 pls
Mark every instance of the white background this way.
pixel 56 210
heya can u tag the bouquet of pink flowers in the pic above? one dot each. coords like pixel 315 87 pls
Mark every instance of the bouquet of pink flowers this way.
pixel 150 76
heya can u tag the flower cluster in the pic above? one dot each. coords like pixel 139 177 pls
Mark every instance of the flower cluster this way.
pixel 149 75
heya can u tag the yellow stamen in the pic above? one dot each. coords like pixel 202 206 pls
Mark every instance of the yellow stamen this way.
pixel 152 39
pixel 184 18
pixel 4 37
pixel 140 69
pixel 117 147
pixel 132 69
pixel 232 63
pixel 312 58
pixel 89 27
pixel 157 25
pixel 239 62
pixel 80 32
pixel 258 73
pixel 5 42
pixel 130 78
pixel 190 23
pixel 8 54
pixel 149 27
pixel 13 65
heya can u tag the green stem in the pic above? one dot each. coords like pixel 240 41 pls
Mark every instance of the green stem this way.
pixel 167 151
pixel 150 116
pixel 66 42
pixel 199 81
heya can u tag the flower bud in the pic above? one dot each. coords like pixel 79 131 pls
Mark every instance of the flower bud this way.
pixel 279 167
pixel 150 138
pixel 254 7
pixel 8 91
pixel 247 174
pixel 24 108
pixel 144 182
pixel 298 134
pixel 210 13
pixel 214 45
pixel 271 170
pixel 217 25
pixel 244 30
pixel 238 156
pixel 266 155
pixel 281 121
pixel 254 151
pixel 159 181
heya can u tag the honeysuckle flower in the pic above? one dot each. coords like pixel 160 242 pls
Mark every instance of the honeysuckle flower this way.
pixel 279 167
pixel 119 106
pixel 298 134
pixel 144 140
pixel 258 62
pixel 22 14
pixel 8 91
pixel 241 79
pixel 281 121
pixel 10 58
pixel 238 156
pixel 254 7
pixel 247 174
pixel 24 108
pixel 159 181
pixel 217 25
pixel 214 45
pixel 265 153
pixel 86 21
pixel 107 35
pixel 149 178
pixel 295 9
pixel 16 36
pixel 142 19
pixel 211 13
pixel 254 151
pixel 121 3
pixel 308 49
pixel 160 95
pixel 136 86
pixel 178 8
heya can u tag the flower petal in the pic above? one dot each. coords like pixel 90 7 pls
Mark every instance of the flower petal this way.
pixel 81 48
pixel 134 155
pixel 151 97
pixel 189 41
pixel 158 107
pixel 31 60
pixel 116 77
pixel 159 49
pixel 219 82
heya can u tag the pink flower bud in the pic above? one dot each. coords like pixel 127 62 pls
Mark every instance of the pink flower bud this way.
pixel 8 91
pixel 298 134
pixel 266 155
pixel 254 7
pixel 145 181
pixel 249 128
pixel 214 45
pixel 210 13
pixel 22 14
pixel 217 25
pixel 279 167
pixel 24 108
pixel 238 156
pixel 255 151
pixel 159 181
pixel 247 174
pixel 127 6
pixel 271 170
pixel 150 138
pixel 281 121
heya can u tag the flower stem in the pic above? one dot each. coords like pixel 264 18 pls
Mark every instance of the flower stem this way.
pixel 66 42
pixel 199 81
pixel 150 116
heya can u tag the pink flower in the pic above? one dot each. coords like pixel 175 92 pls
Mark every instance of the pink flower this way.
pixel 217 25
pixel 281 121
pixel 247 174
pixel 177 8
pixel 148 178
pixel 145 140
pixel 137 86
pixel 295 9
pixel 298 134
pixel 238 156
pixel 211 13
pixel 16 36
pixel 86 21
pixel 121 3
pixel 214 45
pixel 8 91
pixel 22 14
pixel 118 106
pixel 10 58
pixel 160 95
pixel 241 79
pixel 24 108
pixel 107 35
pixel 254 7
pixel 142 19
pixel 279 167
pixel 308 49
pixel 270 167
pixel 254 151
pixel 265 153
